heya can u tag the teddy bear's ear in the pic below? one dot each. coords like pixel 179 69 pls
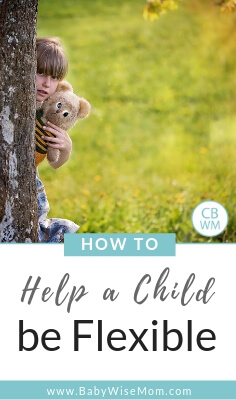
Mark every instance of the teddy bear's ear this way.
pixel 84 109
pixel 63 86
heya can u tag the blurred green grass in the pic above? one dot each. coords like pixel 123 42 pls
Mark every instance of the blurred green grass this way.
pixel 162 133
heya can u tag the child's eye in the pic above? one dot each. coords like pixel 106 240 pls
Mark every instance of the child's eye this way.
pixel 55 78
pixel 65 113
pixel 59 105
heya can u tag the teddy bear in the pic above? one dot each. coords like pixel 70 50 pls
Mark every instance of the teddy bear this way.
pixel 64 108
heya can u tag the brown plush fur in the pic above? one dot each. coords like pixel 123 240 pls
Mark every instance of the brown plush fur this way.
pixel 63 109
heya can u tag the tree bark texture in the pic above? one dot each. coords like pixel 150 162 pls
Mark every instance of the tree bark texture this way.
pixel 18 201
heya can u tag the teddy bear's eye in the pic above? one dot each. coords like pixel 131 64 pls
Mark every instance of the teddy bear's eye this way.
pixel 65 113
pixel 58 105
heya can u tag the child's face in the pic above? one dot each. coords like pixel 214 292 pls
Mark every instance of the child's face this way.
pixel 45 86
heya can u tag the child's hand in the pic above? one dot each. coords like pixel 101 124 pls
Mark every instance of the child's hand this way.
pixel 61 141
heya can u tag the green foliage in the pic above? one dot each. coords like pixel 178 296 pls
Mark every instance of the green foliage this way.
pixel 154 8
pixel 161 135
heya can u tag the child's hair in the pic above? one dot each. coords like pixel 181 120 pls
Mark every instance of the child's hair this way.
pixel 51 59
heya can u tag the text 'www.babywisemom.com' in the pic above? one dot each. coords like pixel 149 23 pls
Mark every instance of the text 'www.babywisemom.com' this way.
pixel 117 392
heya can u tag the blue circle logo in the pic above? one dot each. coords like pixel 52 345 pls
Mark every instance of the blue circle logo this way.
pixel 209 218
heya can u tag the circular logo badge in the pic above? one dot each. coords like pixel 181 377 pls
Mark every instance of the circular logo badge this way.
pixel 209 218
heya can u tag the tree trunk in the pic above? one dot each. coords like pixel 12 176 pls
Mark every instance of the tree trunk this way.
pixel 18 201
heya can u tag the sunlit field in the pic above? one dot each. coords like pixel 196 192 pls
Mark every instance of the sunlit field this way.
pixel 161 136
